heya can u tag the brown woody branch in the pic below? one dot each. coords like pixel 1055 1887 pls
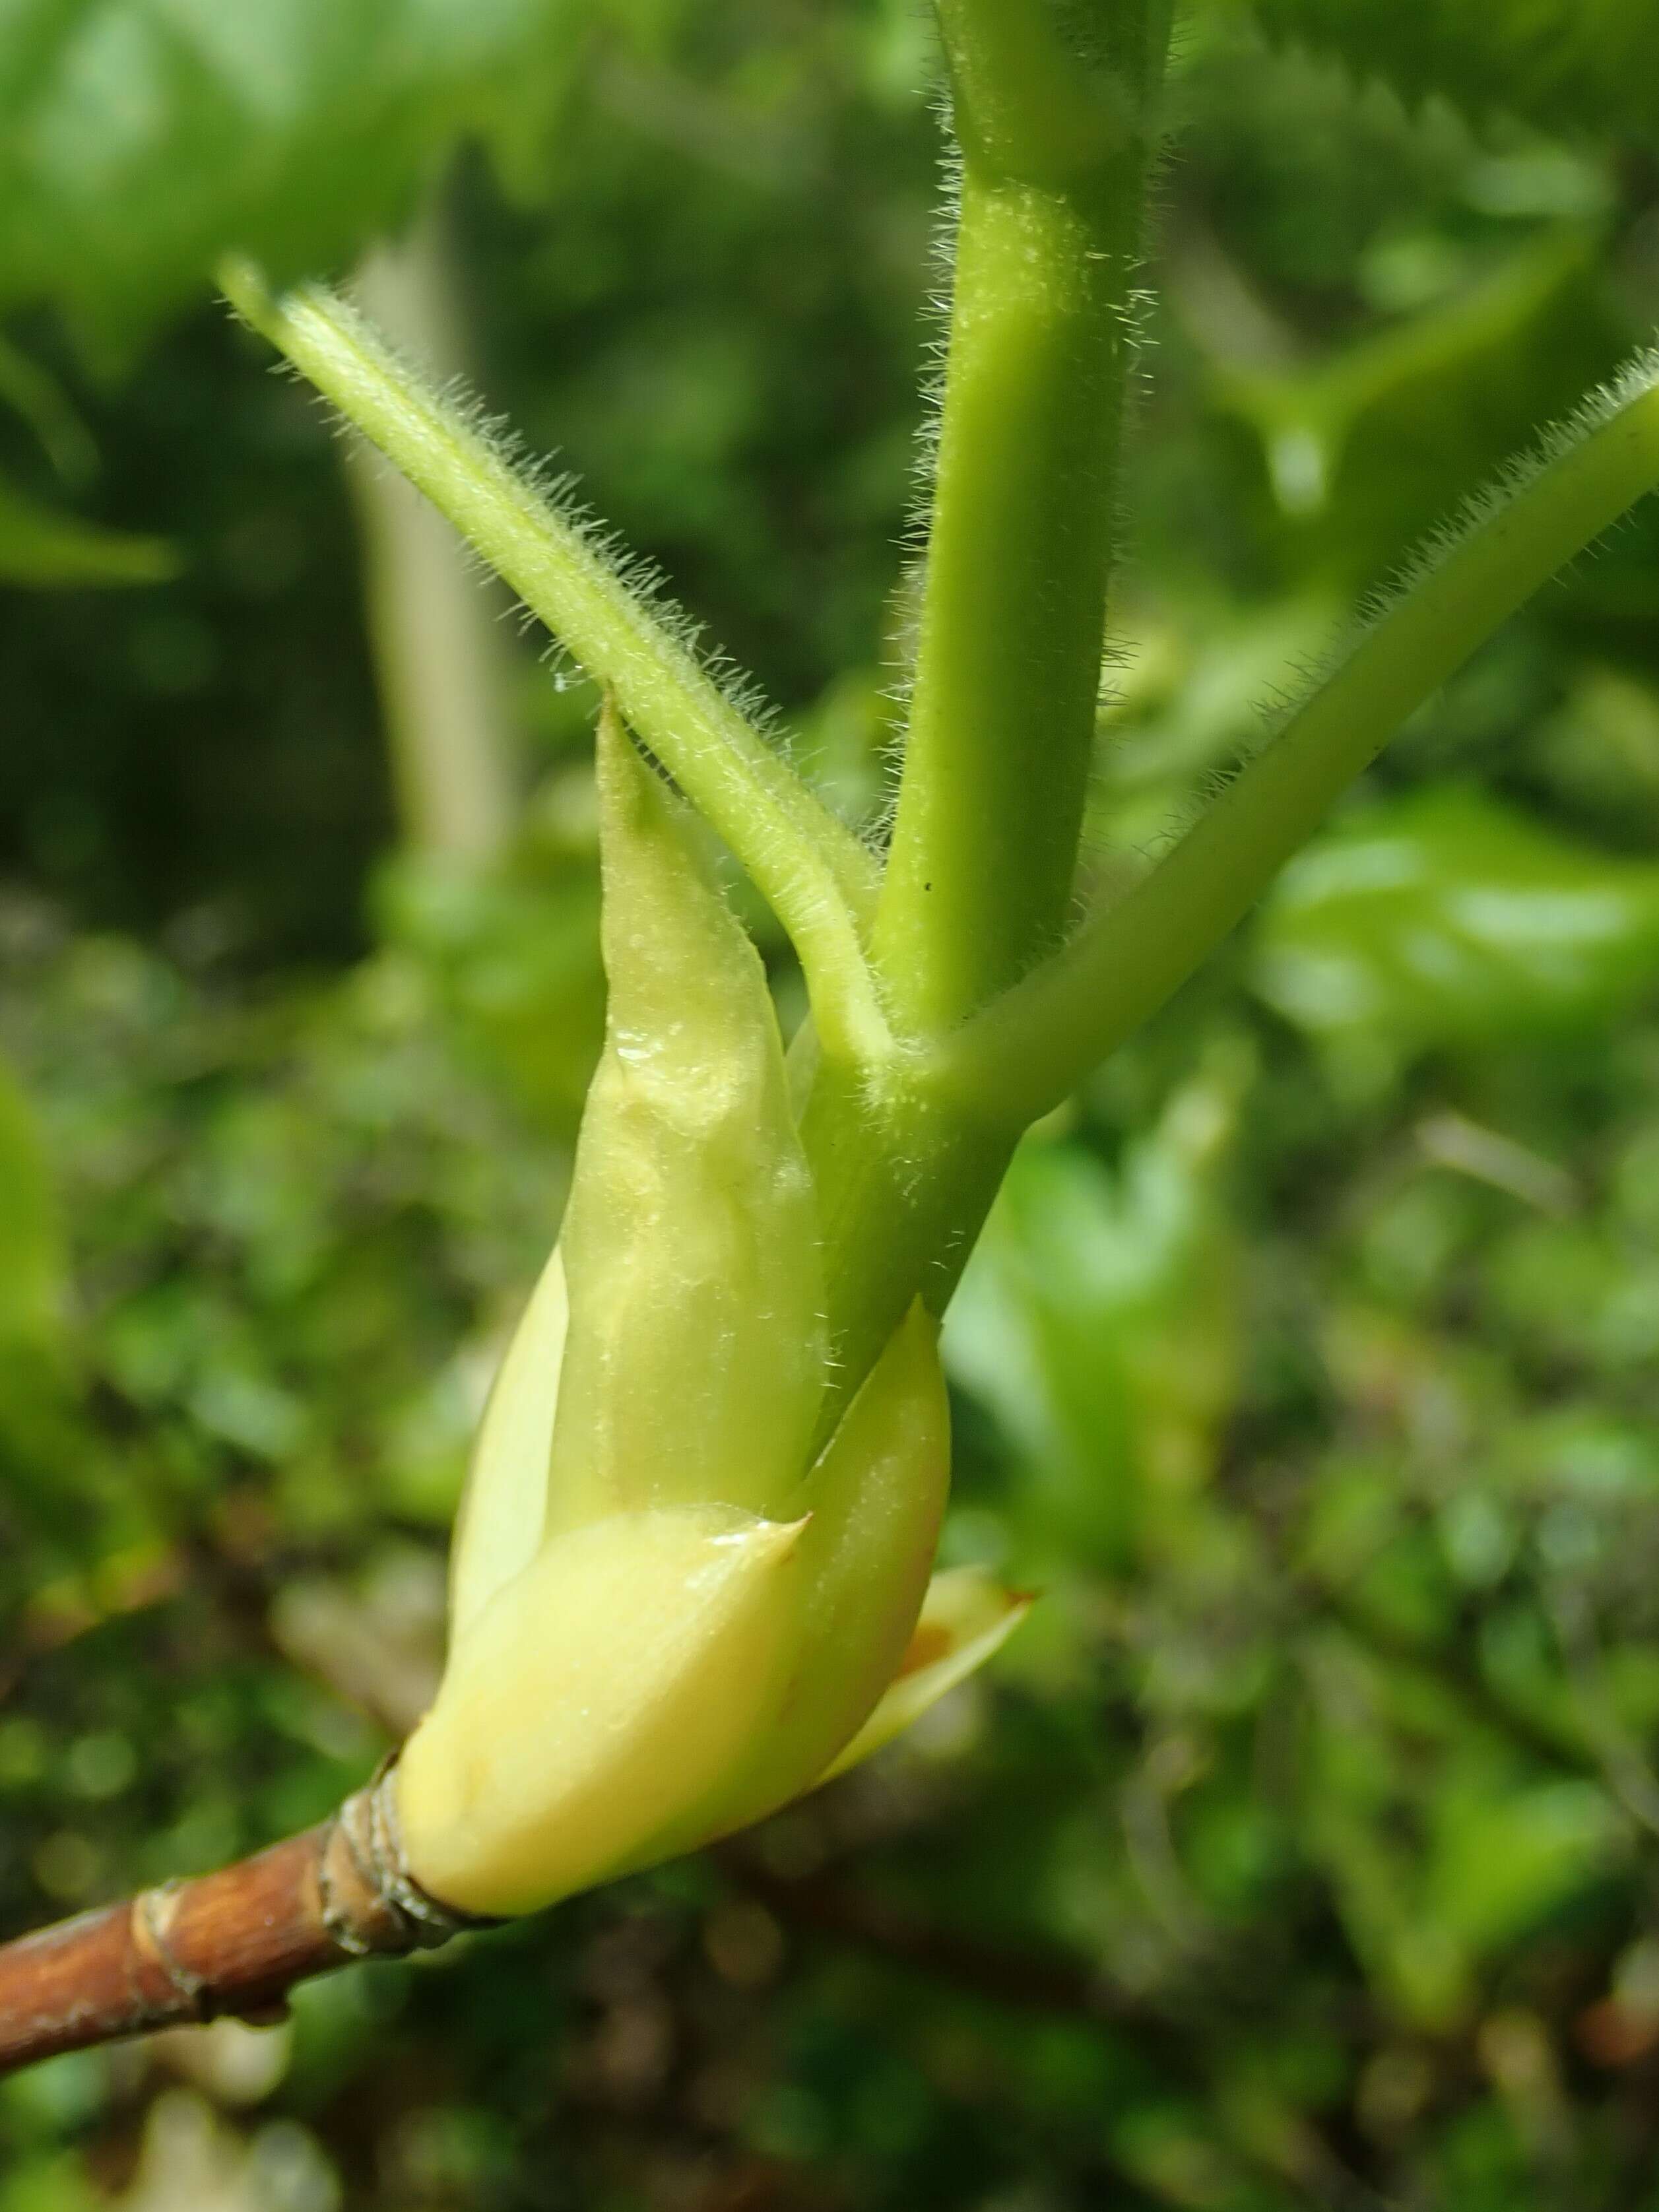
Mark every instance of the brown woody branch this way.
pixel 233 1942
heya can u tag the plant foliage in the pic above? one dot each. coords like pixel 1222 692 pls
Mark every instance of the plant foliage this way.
pixel 145 137
pixel 1580 67
pixel 1301 1851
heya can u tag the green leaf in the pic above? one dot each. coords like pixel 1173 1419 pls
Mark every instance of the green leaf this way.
pixel 32 1259
pixel 1567 65
pixel 1502 1860
pixel 42 545
pixel 1363 447
pixel 35 395
pixel 1098 1318
pixel 514 959
pixel 1447 917
pixel 139 139
pixel 43 1454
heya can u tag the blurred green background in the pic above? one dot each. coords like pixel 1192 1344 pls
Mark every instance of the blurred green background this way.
pixel 1303 1849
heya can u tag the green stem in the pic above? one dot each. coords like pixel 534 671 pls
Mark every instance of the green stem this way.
pixel 901 1197
pixel 1021 1055
pixel 1020 545
pixel 807 865
pixel 1054 143
pixel 1008 668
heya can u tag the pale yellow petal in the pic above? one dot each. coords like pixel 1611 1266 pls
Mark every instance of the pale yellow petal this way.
pixel 498 1528
pixel 614 1681
pixel 966 1616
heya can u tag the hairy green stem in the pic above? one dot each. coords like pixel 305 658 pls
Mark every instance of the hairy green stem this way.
pixel 901 1197
pixel 1022 1054
pixel 806 864
pixel 1055 135
pixel 1020 543
pixel 1008 671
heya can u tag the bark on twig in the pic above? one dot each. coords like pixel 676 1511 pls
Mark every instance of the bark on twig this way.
pixel 233 1941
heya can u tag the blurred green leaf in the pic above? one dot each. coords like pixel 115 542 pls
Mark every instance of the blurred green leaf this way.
pixel 43 546
pixel 1598 753
pixel 32 1258
pixel 39 400
pixel 1567 65
pixel 514 958
pixel 49 1478
pixel 1447 917
pixel 1098 1318
pixel 141 138
pixel 53 2182
pixel 1442 1850
pixel 1502 1860
pixel 1366 1547
pixel 1370 445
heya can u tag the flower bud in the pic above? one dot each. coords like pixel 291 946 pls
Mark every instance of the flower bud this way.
pixel 666 1620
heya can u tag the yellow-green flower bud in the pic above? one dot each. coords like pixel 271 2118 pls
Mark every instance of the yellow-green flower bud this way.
pixel 664 1621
